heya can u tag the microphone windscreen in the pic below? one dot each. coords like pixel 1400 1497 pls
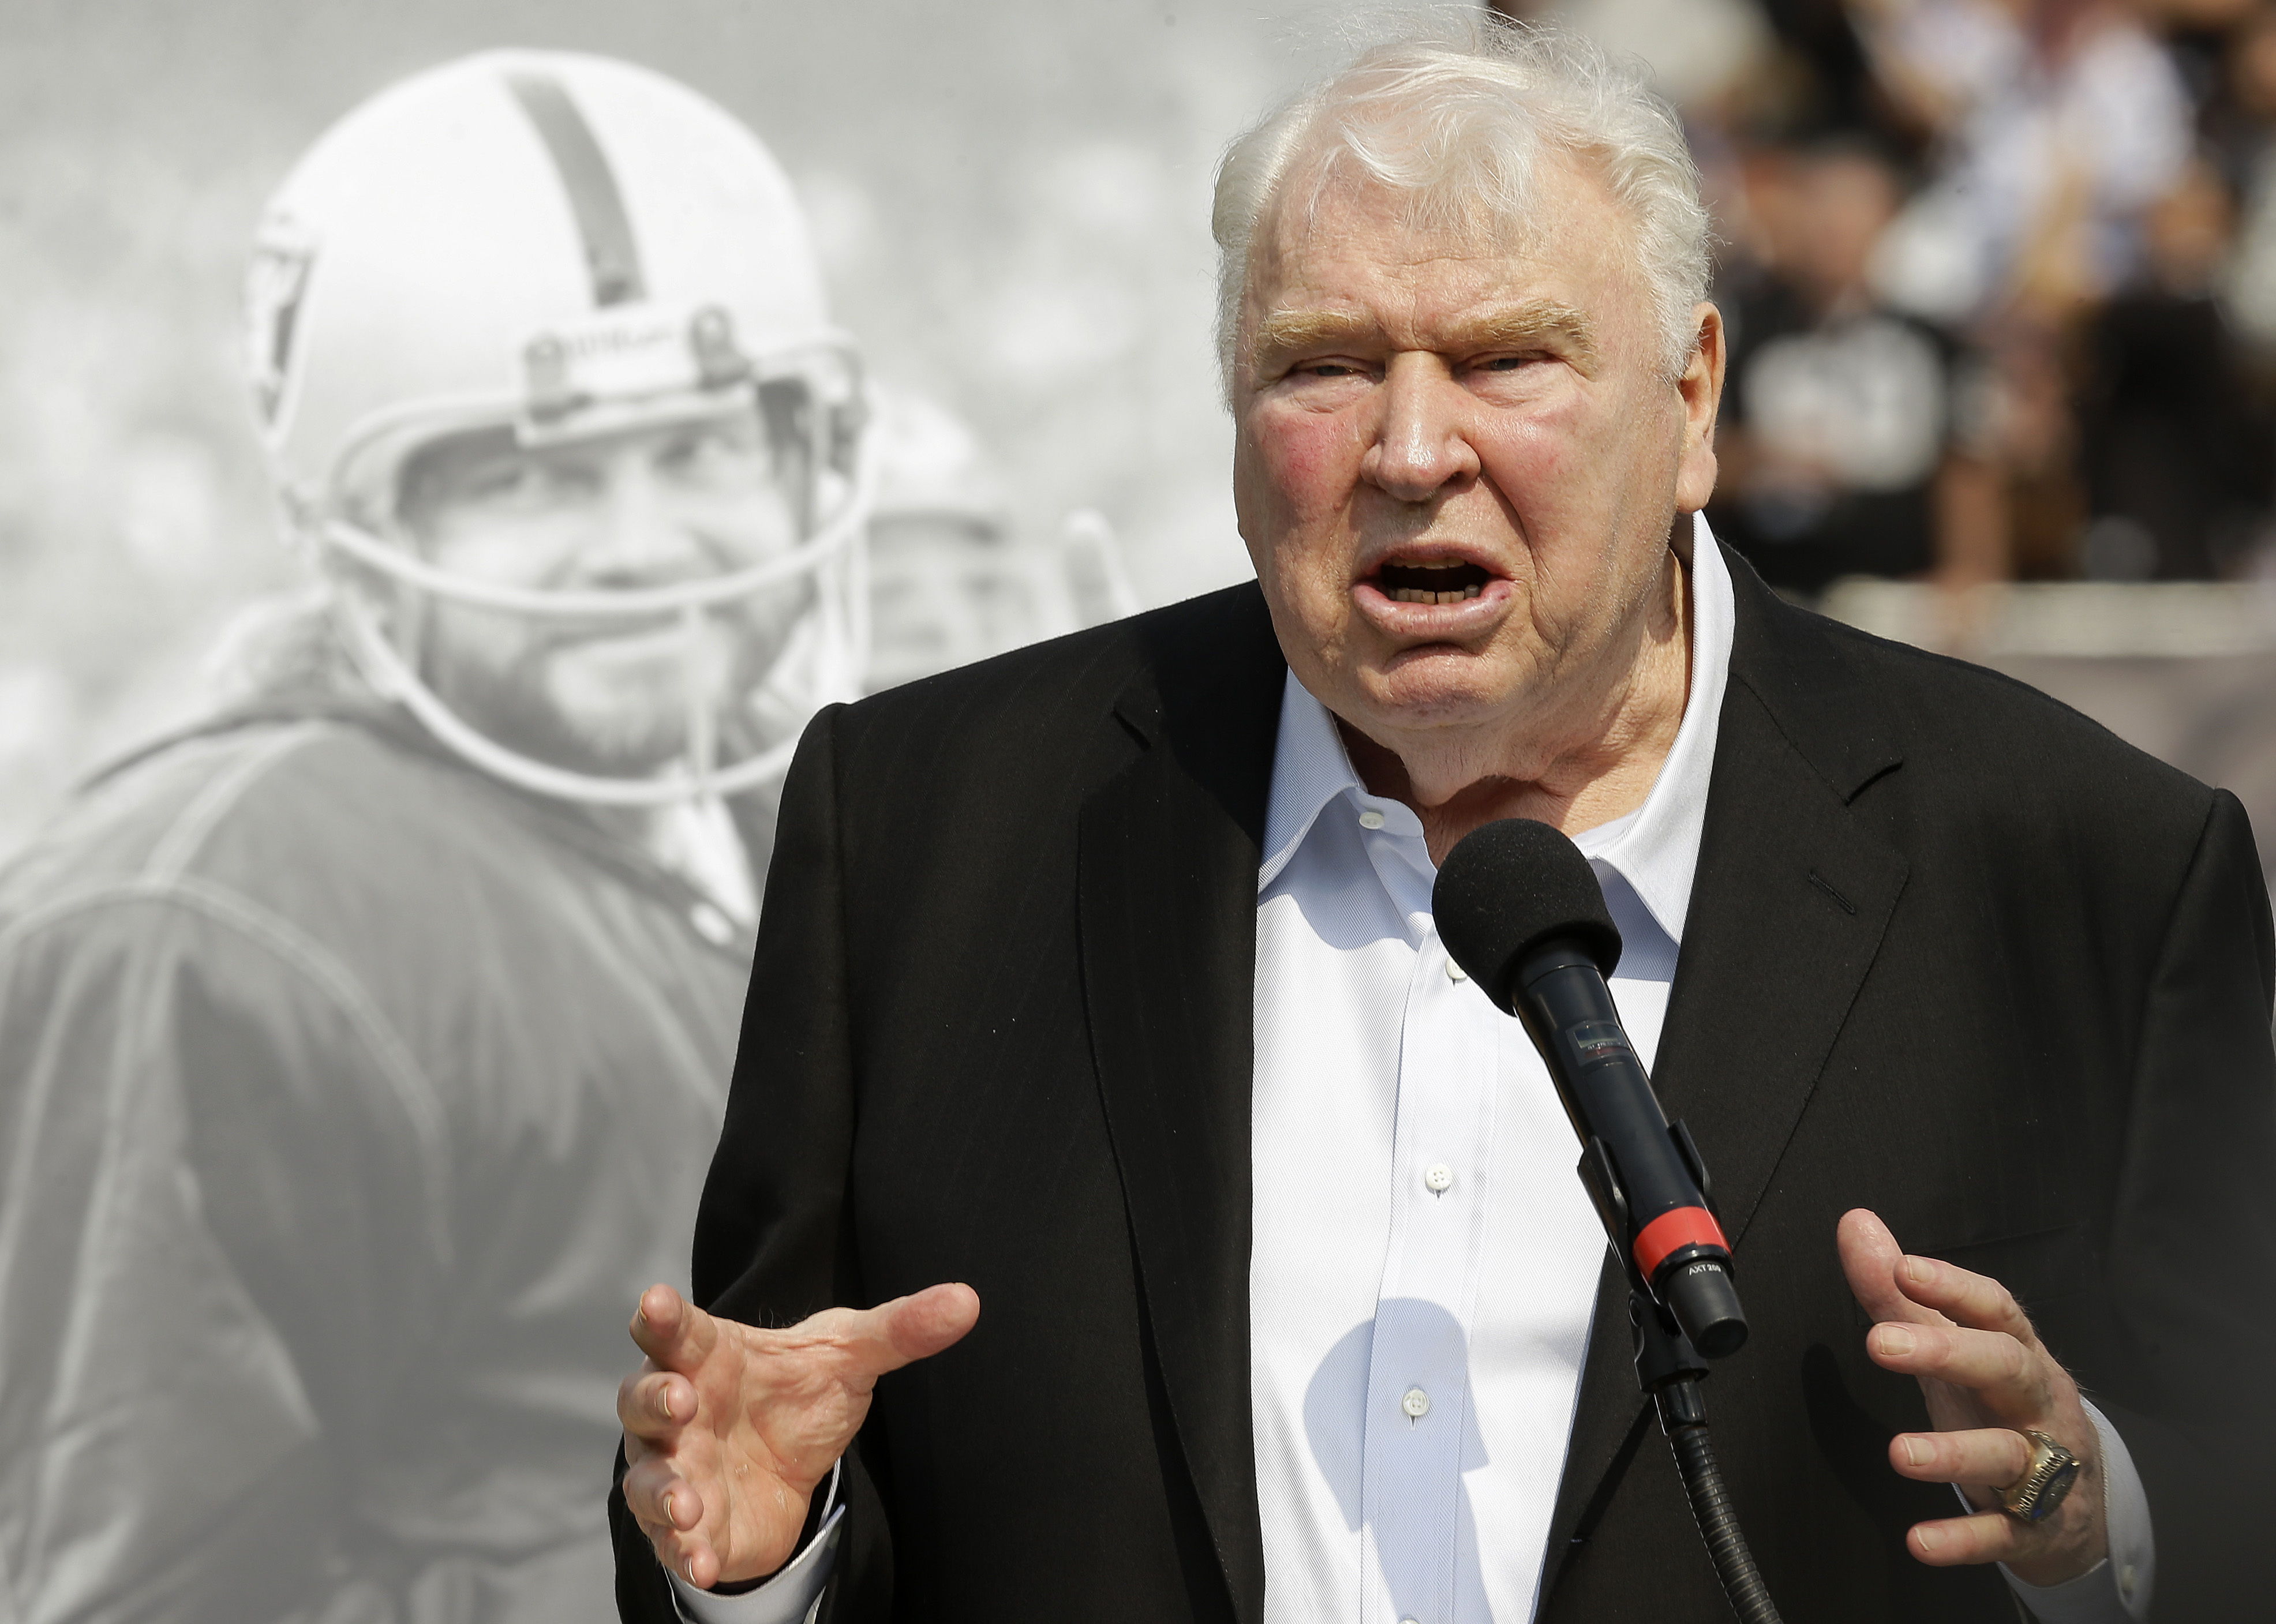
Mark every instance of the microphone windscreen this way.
pixel 1509 886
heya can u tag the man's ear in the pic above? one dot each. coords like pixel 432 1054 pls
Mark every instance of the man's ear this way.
pixel 1700 388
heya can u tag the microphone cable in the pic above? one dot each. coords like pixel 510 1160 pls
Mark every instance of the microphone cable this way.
pixel 1683 1418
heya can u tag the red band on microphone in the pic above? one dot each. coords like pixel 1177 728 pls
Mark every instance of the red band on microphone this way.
pixel 1686 1226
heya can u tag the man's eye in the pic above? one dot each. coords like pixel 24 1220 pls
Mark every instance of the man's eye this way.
pixel 516 482
pixel 684 451
pixel 714 453
pixel 1510 363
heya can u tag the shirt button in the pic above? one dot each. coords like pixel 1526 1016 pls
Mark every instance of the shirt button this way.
pixel 1439 1178
pixel 710 924
pixel 1416 1403
pixel 1455 972
pixel 1370 819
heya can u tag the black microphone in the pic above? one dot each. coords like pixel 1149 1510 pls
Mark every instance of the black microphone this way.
pixel 1520 910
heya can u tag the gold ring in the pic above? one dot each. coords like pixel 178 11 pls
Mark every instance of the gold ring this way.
pixel 2036 1495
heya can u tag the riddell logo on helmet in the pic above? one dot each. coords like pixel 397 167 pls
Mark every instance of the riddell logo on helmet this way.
pixel 611 339
pixel 611 355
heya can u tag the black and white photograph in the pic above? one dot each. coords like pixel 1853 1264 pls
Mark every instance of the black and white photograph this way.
pixel 1308 812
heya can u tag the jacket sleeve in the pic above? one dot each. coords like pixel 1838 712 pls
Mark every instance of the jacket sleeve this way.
pixel 200 1151
pixel 774 1234
pixel 2192 1253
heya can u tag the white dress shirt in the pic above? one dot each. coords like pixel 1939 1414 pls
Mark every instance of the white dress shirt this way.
pixel 1424 1262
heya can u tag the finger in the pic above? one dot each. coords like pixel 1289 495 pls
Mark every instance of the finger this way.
pixel 937 1318
pixel 1953 1542
pixel 687 1553
pixel 1989 1457
pixel 2010 1379
pixel 1871 1257
pixel 662 1501
pixel 670 1512
pixel 885 1338
pixel 1966 1299
pixel 672 1330
pixel 701 1565
pixel 655 1406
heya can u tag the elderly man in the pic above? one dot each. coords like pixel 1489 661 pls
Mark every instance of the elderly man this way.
pixel 1102 978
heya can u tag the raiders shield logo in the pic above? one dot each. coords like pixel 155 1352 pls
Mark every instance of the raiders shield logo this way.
pixel 275 282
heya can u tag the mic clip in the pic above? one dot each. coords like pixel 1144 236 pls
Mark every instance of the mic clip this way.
pixel 1602 1180
pixel 1694 1163
pixel 1663 1353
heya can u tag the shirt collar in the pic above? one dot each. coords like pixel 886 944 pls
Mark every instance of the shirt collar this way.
pixel 1311 768
pixel 1655 848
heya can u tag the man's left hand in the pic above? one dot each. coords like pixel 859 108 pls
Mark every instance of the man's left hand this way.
pixel 1988 1379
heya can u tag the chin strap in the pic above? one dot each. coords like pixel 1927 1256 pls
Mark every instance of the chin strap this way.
pixel 383 667
pixel 830 647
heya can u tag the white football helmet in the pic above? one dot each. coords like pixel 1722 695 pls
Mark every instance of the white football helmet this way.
pixel 564 247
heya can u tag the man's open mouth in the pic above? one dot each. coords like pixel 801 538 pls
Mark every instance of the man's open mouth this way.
pixel 1448 582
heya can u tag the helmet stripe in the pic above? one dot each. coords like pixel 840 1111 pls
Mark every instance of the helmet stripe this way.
pixel 611 254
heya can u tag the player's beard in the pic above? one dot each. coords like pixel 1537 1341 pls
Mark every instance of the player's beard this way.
pixel 619 701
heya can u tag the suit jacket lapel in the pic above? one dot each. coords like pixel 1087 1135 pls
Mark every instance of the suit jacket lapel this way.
pixel 1788 905
pixel 1167 893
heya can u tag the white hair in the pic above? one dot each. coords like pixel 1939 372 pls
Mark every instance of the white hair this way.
pixel 1452 122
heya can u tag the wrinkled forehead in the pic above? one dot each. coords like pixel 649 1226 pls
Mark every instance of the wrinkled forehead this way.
pixel 1567 228
pixel 1325 183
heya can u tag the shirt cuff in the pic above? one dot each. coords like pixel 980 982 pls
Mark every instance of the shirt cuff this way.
pixel 793 1595
pixel 2116 1589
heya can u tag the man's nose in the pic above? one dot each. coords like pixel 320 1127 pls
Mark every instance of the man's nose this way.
pixel 636 534
pixel 1422 442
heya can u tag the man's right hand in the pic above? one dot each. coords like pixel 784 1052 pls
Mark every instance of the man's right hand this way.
pixel 729 1429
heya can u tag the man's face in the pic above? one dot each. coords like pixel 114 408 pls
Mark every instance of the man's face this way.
pixel 1458 462
pixel 643 509
pixel 1841 203
pixel 944 592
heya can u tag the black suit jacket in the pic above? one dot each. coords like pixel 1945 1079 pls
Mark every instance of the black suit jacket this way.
pixel 1955 952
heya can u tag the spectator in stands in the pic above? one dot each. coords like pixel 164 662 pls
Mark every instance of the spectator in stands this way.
pixel 1839 438
pixel 2243 125
pixel 2174 449
pixel 2059 121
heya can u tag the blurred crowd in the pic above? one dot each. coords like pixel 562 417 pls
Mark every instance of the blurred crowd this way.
pixel 2000 276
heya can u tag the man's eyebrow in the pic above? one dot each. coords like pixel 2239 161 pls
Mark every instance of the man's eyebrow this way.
pixel 1287 332
pixel 1530 323
pixel 1291 332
